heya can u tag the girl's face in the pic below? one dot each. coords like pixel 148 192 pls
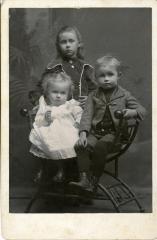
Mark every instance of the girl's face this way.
pixel 107 76
pixel 57 93
pixel 68 44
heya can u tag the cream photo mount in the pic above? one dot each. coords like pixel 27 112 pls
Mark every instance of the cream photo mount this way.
pixel 72 226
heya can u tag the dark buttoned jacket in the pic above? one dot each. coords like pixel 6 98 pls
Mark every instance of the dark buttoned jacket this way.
pixel 80 72
pixel 96 103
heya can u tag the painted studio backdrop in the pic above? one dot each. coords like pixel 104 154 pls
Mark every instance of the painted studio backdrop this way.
pixel 125 33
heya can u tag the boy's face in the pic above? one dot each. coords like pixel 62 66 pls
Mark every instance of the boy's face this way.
pixel 57 93
pixel 68 44
pixel 107 76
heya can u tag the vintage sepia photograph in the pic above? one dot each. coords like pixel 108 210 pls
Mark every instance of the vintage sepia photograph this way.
pixel 80 110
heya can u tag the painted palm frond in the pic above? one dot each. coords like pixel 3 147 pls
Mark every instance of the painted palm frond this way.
pixel 18 92
pixel 25 58
pixel 23 65
pixel 17 55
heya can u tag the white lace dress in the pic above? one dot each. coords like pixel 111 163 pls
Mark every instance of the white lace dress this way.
pixel 56 140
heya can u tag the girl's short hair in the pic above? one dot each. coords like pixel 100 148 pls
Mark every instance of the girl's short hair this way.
pixel 108 59
pixel 48 78
pixel 80 54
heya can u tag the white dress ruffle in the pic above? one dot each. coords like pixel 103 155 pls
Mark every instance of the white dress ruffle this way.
pixel 56 141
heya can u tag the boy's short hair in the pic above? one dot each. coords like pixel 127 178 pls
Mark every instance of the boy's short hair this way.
pixel 49 78
pixel 108 59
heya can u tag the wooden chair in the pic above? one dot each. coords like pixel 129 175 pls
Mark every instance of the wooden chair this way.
pixel 119 193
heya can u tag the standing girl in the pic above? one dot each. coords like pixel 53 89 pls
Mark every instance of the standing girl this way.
pixel 70 59
pixel 55 129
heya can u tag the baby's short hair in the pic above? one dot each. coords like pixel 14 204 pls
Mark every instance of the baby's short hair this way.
pixel 49 78
pixel 108 59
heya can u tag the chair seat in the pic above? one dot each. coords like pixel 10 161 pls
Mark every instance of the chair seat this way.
pixel 115 153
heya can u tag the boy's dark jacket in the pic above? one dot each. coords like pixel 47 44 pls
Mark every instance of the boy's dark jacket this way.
pixel 96 105
pixel 86 80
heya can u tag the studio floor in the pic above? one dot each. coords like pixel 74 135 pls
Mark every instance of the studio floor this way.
pixel 19 199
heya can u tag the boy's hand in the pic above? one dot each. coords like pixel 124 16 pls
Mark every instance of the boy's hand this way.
pixel 82 100
pixel 48 117
pixel 82 142
pixel 129 113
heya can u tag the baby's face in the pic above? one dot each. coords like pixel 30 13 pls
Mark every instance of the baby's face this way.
pixel 57 93
pixel 107 76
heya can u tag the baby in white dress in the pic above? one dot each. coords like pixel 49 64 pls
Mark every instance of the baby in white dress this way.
pixel 55 129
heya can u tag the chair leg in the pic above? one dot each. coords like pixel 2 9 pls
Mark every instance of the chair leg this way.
pixel 141 209
pixel 109 197
pixel 115 197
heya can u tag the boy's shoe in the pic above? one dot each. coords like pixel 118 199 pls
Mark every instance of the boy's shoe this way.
pixel 85 183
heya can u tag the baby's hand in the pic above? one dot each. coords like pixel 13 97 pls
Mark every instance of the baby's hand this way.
pixel 82 100
pixel 48 117
pixel 82 142
pixel 129 113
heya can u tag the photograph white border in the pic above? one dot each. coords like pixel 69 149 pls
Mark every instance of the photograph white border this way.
pixel 72 226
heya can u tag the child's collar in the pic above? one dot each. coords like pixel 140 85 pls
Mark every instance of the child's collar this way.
pixel 117 93
pixel 59 62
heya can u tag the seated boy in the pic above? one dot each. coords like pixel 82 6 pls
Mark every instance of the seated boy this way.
pixel 98 124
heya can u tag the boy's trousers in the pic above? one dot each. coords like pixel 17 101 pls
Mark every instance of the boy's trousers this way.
pixel 93 157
